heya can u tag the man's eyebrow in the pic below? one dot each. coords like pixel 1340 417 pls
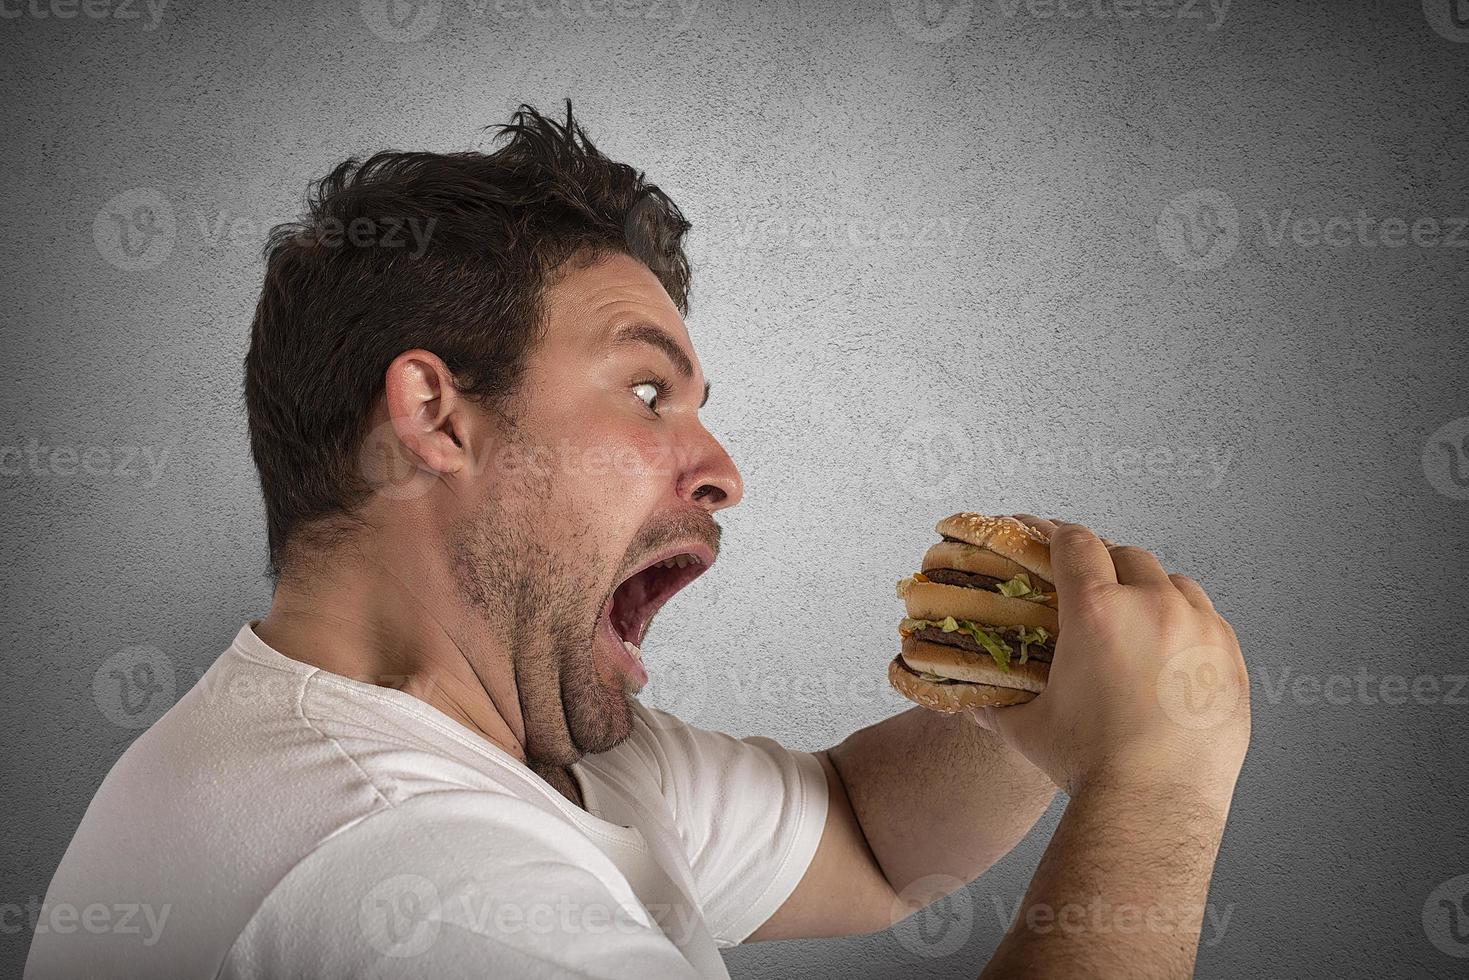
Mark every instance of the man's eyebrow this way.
pixel 647 333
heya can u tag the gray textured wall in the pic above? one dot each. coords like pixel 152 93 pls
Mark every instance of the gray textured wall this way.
pixel 994 255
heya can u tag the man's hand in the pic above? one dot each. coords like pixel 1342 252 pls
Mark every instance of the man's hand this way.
pixel 1144 722
pixel 1147 685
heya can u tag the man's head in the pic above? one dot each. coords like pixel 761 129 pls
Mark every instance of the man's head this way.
pixel 510 327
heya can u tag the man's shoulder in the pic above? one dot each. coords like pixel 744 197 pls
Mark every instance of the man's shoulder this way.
pixel 451 881
pixel 266 772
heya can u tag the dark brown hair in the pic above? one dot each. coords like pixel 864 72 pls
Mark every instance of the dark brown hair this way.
pixel 447 252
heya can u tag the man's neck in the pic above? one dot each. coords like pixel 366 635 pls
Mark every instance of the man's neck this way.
pixel 358 618
pixel 561 780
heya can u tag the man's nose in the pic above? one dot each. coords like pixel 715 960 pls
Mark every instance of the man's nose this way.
pixel 711 481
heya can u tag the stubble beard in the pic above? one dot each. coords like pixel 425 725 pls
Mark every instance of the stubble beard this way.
pixel 547 614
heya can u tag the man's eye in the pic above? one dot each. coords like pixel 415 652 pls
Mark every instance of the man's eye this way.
pixel 649 392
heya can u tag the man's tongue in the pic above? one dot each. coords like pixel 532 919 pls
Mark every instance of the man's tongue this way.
pixel 619 612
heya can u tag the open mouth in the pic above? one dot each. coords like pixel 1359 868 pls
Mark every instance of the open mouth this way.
pixel 643 593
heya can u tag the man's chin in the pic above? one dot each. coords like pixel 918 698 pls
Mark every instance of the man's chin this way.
pixel 601 717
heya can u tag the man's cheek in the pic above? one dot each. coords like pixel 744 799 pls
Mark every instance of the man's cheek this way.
pixel 631 460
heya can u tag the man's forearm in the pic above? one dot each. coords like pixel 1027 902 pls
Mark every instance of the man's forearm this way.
pixel 938 795
pixel 1121 889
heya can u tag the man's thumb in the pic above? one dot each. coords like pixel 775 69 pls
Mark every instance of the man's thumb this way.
pixel 1007 722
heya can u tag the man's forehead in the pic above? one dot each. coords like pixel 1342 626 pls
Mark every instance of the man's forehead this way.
pixel 617 301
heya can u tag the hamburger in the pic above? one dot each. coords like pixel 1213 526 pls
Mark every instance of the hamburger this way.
pixel 981 621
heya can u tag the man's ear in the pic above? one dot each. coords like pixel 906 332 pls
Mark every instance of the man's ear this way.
pixel 427 413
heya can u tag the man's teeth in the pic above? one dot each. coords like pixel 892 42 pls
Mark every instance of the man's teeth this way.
pixel 637 654
pixel 678 561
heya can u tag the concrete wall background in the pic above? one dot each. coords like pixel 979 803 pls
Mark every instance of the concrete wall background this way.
pixel 993 255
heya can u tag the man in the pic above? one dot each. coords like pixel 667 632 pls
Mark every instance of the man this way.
pixel 427 759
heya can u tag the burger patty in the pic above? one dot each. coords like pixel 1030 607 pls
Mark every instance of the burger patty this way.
pixel 952 576
pixel 1036 651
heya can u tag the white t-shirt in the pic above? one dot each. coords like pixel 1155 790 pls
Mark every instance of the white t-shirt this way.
pixel 282 821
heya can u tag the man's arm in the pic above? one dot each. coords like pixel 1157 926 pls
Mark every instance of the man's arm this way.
pixel 916 795
pixel 937 795
pixel 1148 761
pixel 1121 889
